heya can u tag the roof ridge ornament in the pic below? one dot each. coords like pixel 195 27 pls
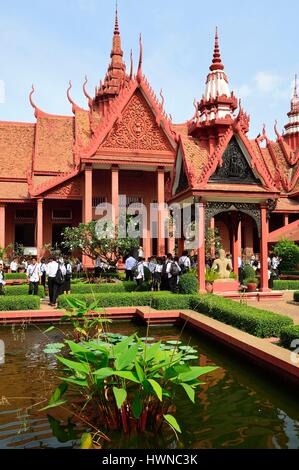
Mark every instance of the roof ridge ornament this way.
pixel 86 92
pixel 139 73
pixel 216 62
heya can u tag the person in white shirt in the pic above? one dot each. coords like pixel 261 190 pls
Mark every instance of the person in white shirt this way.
pixel 33 276
pixel 173 271
pixel 52 269
pixel 43 270
pixel 130 265
pixel 14 266
pixel 140 272
pixel 185 262
pixel 68 276
pixel 2 281
pixel 275 263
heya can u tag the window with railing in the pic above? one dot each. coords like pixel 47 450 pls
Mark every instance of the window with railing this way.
pixel 96 201
pixel 25 214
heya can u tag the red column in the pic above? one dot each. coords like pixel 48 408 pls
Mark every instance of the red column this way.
pixel 2 225
pixel 236 242
pixel 201 248
pixel 40 227
pixel 161 202
pixel 87 209
pixel 212 227
pixel 285 219
pixel 115 193
pixel 264 250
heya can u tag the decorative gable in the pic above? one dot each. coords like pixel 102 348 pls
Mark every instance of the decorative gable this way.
pixel 235 168
pixel 137 129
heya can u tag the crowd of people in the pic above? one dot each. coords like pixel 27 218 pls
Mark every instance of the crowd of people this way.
pixel 52 273
pixel 164 271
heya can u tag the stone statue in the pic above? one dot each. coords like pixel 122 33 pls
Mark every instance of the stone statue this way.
pixel 223 265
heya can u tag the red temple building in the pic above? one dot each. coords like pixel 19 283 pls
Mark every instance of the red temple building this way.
pixel 55 171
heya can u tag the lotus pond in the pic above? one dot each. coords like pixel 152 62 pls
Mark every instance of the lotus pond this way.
pixel 239 406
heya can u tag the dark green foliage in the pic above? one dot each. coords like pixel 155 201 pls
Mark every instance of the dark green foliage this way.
pixel 188 284
pixel 22 290
pixel 288 335
pixel 15 276
pixel 288 251
pixel 285 285
pixel 248 272
pixel 261 323
pixel 81 288
pixel 19 302
pixel 296 296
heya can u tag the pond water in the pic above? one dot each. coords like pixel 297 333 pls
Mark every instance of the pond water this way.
pixel 240 406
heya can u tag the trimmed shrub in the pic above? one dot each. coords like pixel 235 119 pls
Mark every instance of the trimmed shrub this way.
pixel 296 296
pixel 288 335
pixel 103 288
pixel 15 276
pixel 157 300
pixel 261 323
pixel 288 251
pixel 285 285
pixel 23 290
pixel 188 284
pixel 84 275
pixel 248 272
pixel 14 303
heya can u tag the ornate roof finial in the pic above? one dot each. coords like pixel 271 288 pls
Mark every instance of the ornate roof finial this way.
pixel 30 97
pixel 139 73
pixel 86 93
pixel 216 63
pixel 68 93
pixel 295 88
pixel 276 130
pixel 131 59
pixel 116 29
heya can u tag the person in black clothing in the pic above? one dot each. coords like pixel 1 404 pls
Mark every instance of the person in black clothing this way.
pixel 2 281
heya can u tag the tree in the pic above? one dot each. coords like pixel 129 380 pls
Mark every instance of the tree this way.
pixel 109 249
pixel 213 239
pixel 288 251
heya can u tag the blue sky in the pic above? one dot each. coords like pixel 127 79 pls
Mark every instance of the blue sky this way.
pixel 50 42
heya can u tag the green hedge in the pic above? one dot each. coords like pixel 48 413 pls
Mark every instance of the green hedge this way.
pixel 19 302
pixel 285 285
pixel 296 296
pixel 188 284
pixel 158 300
pixel 261 323
pixel 15 276
pixel 84 275
pixel 288 335
pixel 22 290
pixel 81 288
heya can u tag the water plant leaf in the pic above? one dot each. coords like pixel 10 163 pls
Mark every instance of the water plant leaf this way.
pixel 157 388
pixel 86 441
pixel 103 373
pixel 75 381
pixel 78 366
pixel 152 351
pixel 137 406
pixel 128 375
pixel 126 358
pixel 50 329
pixel 174 343
pixel 120 396
pixel 190 392
pixel 173 423
pixel 55 399
pixel 139 371
pixel 194 373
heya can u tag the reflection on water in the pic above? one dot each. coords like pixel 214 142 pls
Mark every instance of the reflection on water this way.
pixel 238 407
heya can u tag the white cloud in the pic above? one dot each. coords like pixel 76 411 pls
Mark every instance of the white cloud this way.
pixel 267 82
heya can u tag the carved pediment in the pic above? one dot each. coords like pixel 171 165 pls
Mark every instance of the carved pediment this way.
pixel 235 167
pixel 137 129
pixel 70 189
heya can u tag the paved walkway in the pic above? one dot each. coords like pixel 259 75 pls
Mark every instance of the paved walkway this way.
pixel 284 307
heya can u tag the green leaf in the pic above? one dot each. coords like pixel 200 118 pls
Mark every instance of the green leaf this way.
pixel 78 366
pixel 120 396
pixel 137 406
pixel 157 388
pixel 50 329
pixel 103 373
pixel 128 375
pixel 86 441
pixel 194 373
pixel 126 358
pixel 139 371
pixel 190 392
pixel 122 346
pixel 74 381
pixel 173 422
pixel 151 352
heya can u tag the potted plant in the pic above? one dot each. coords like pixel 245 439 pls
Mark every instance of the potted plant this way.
pixel 211 277
pixel 251 284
